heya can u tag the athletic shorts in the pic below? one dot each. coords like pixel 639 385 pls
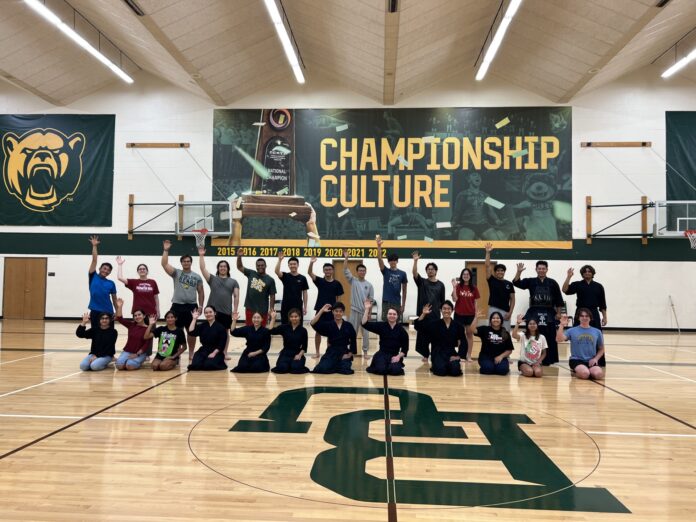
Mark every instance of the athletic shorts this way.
pixel 464 320
pixel 183 314
pixel 576 362
pixel 224 319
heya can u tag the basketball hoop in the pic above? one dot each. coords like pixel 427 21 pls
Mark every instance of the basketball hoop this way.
pixel 200 237
pixel 691 234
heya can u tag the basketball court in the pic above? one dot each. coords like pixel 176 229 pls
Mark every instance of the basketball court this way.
pixel 208 446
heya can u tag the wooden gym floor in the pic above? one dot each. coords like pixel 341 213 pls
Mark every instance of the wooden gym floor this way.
pixel 139 446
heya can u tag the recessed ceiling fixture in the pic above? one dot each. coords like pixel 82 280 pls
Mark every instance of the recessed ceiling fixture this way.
pixel 512 8
pixel 51 17
pixel 283 29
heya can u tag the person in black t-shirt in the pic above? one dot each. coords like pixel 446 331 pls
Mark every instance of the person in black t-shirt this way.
pixel 328 292
pixel 103 347
pixel 590 295
pixel 496 345
pixel 501 292
pixel 545 302
pixel 294 288
pixel 172 342
pixel 430 292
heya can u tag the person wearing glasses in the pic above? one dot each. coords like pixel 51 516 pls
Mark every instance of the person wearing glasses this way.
pixel 586 346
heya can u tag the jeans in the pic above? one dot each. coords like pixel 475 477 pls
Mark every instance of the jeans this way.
pixel 96 365
pixel 131 364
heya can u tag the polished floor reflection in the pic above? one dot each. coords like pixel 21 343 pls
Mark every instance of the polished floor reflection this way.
pixel 210 446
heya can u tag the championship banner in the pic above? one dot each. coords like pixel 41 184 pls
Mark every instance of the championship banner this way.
pixel 418 178
pixel 57 170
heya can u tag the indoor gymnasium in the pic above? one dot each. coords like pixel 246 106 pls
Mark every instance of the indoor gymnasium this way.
pixel 347 260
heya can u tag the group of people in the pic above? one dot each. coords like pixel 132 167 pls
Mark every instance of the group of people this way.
pixel 445 328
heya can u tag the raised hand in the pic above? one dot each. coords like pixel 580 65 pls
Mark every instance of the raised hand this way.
pixel 166 245
pixel 378 240
pixel 201 251
pixel 571 272
pixel 489 247
pixel 520 317
pixel 345 253
pixel 454 281
pixel 196 313
pixel 153 319
pixel 119 302
pixel 313 259
pixel 326 308
pixel 520 267
pixel 281 255
pixel 427 308
pixel 94 240
pixel 368 303
pixel 564 319
pixel 120 260
pixel 415 254
pixel 85 318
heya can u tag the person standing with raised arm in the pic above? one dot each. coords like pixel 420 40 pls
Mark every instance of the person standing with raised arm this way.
pixel 545 302
pixel 361 290
pixel 395 285
pixel 590 295
pixel 328 292
pixel 464 296
pixel 102 291
pixel 501 292
pixel 430 292
pixel 188 292
pixel 145 290
pixel 260 292
pixel 294 288
pixel 224 293
pixel 586 346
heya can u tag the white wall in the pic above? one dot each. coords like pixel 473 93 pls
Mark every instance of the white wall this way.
pixel 631 108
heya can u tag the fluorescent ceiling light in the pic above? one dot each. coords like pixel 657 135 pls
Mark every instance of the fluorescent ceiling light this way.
pixel 497 38
pixel 48 15
pixel 680 64
pixel 284 36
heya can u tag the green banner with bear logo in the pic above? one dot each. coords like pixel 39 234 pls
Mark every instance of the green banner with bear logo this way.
pixel 57 169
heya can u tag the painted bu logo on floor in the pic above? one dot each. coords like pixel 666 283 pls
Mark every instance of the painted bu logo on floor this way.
pixel 342 469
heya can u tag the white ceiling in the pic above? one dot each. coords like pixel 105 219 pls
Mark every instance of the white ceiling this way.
pixel 226 49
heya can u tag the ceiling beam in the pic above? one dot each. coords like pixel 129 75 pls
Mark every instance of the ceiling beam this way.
pixel 391 47
pixel 16 82
pixel 179 57
pixel 638 25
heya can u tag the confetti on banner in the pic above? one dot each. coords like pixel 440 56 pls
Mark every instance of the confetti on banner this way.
pixel 428 139
pixel 313 243
pixel 342 212
pixel 233 197
pixel 493 203
pixel 341 128
pixel 236 214
pixel 428 239
pixel 283 191
pixel 280 148
pixel 520 153
pixel 401 238
pixel 502 123
pixel 312 235
pixel 292 214
pixel 443 224
pixel 238 204
pixel 403 161
pixel 259 123
pixel 256 165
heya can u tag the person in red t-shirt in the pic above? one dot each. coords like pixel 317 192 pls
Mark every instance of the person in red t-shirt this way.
pixel 464 295
pixel 145 291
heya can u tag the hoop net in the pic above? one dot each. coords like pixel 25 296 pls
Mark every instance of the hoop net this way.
pixel 691 234
pixel 200 237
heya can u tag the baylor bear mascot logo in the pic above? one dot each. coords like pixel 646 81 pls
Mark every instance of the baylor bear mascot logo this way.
pixel 42 167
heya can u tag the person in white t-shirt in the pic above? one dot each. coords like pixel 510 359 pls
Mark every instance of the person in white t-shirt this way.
pixel 532 348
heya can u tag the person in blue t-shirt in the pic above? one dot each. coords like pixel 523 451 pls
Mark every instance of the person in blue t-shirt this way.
pixel 102 291
pixel 586 346
pixel 395 284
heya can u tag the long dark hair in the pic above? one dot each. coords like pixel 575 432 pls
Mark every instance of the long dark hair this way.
pixel 470 284
pixel 505 334
pixel 537 333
